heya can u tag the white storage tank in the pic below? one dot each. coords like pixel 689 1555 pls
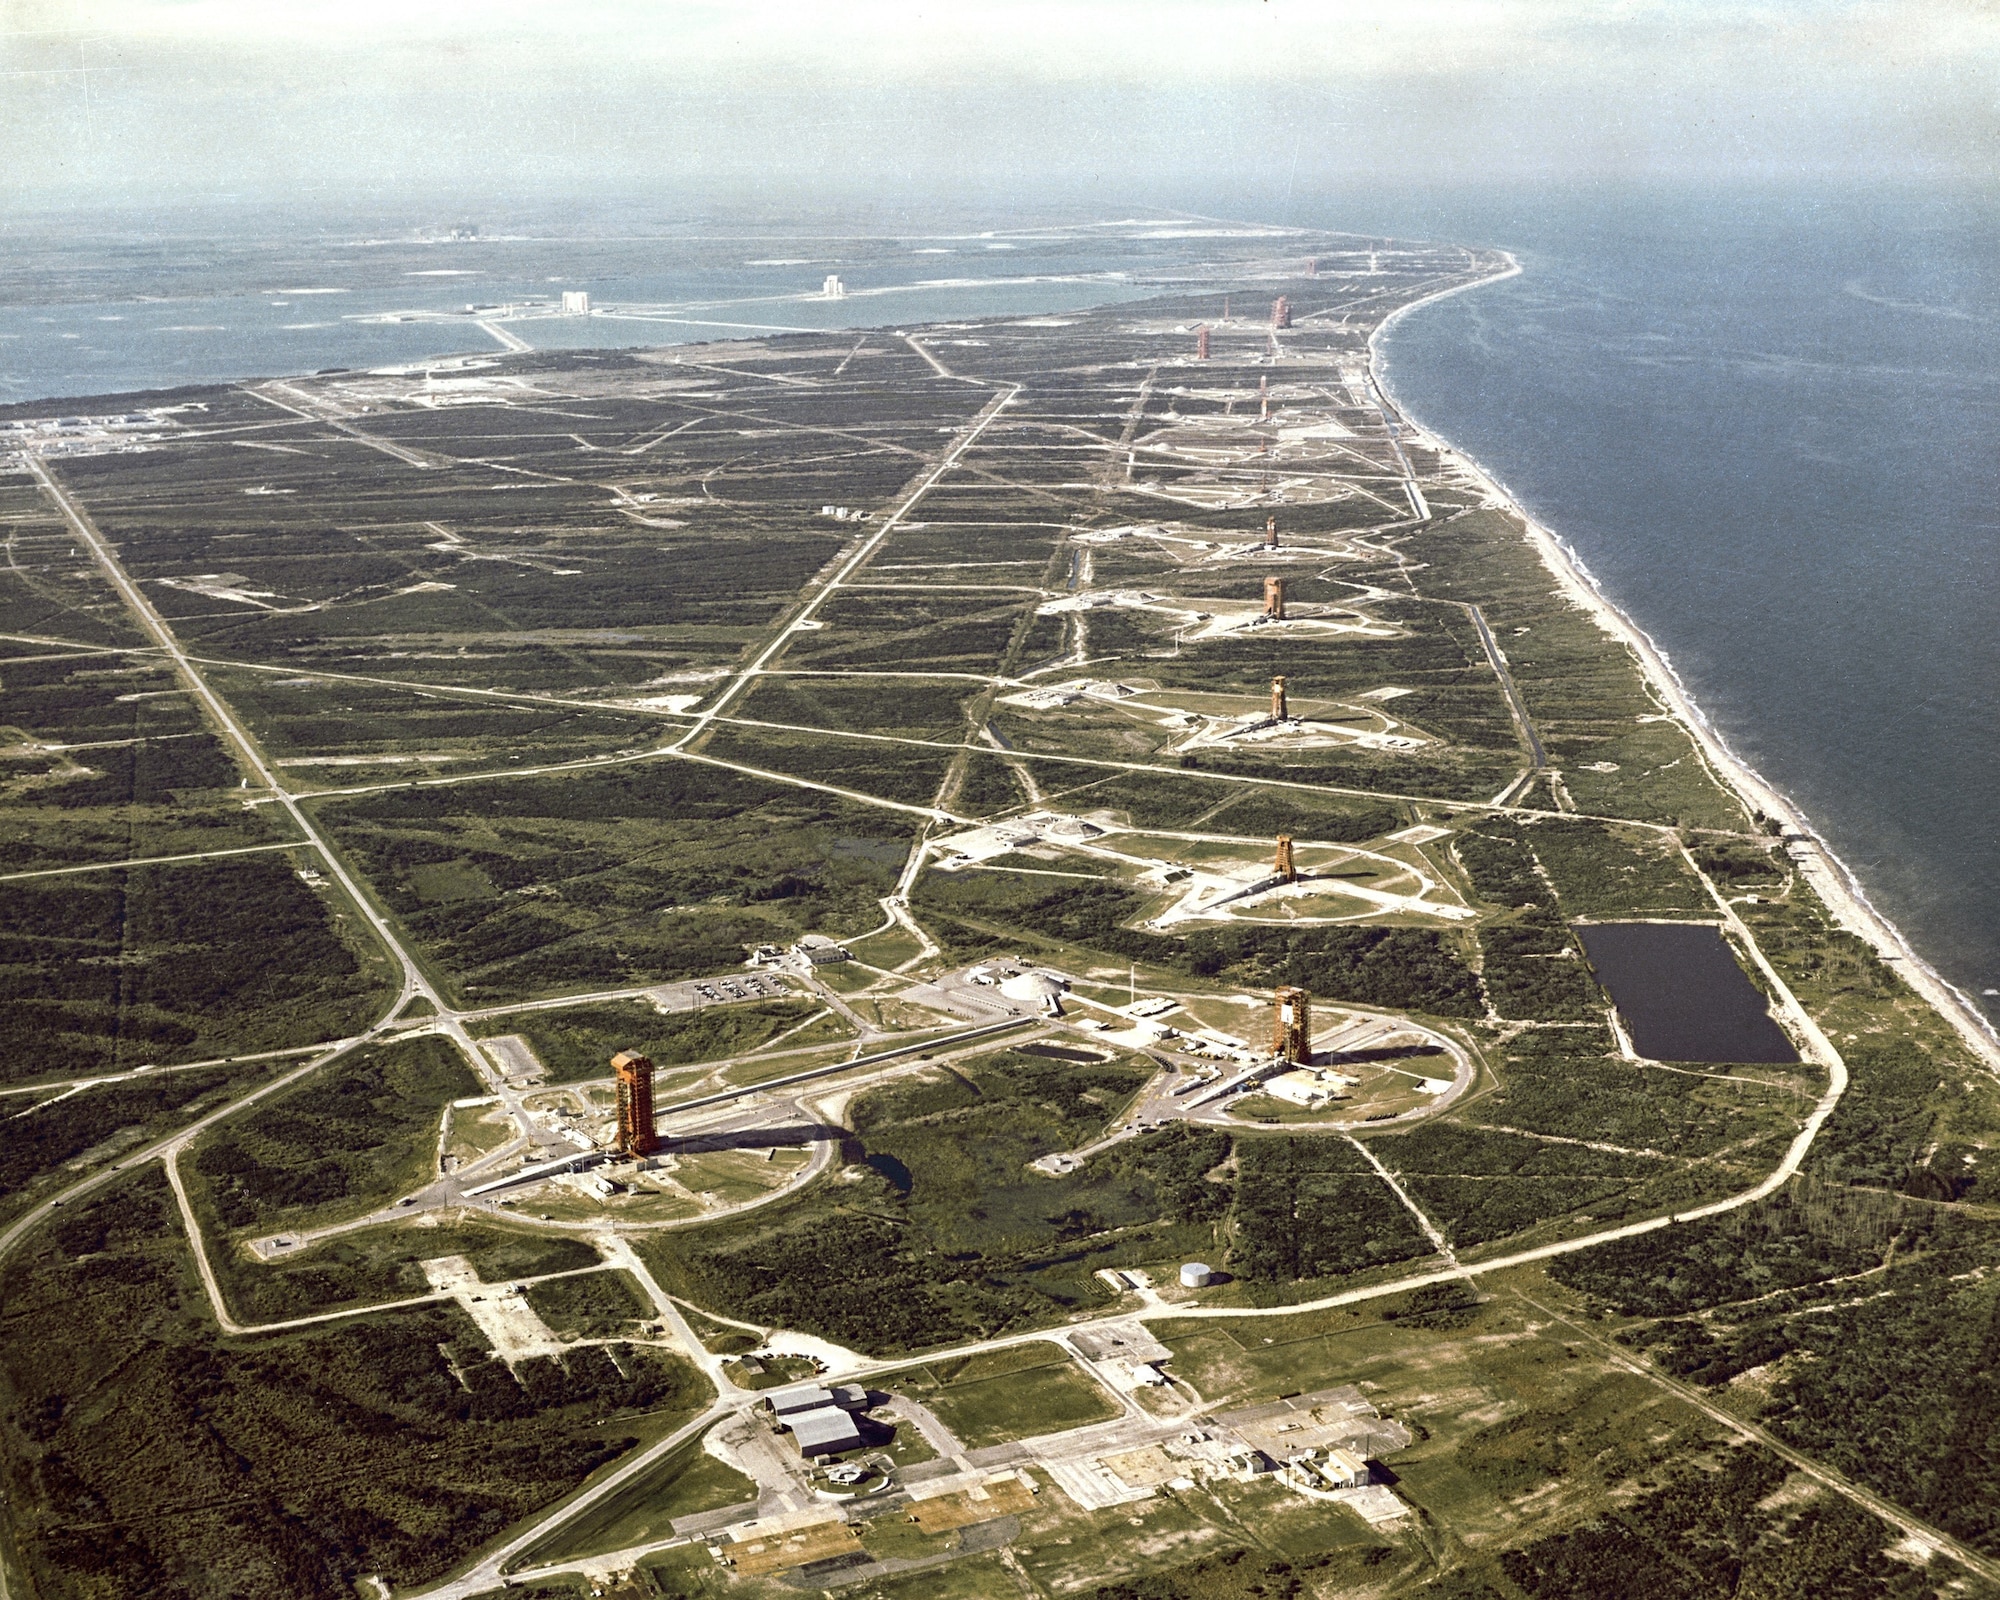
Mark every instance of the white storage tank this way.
pixel 1195 1275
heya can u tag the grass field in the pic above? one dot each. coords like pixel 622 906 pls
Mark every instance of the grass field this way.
pixel 352 1137
pixel 1011 1394
pixel 642 1512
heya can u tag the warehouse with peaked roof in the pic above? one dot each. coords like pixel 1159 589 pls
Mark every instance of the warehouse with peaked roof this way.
pixel 824 1431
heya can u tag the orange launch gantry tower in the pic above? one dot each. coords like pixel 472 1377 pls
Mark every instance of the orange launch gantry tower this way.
pixel 636 1134
pixel 1274 599
pixel 1292 1033
pixel 1201 342
pixel 1278 713
pixel 1283 864
pixel 1281 312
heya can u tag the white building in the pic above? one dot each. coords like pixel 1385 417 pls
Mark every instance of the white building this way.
pixel 1042 989
pixel 821 951
pixel 833 288
pixel 1343 1468
pixel 575 303
pixel 823 1431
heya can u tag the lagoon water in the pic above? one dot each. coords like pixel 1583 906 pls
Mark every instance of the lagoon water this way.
pixel 1768 425
pixel 1681 994
pixel 144 302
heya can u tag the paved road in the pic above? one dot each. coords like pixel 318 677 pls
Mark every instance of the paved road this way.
pixel 1515 703
pixel 73 1085
pixel 853 564
pixel 149 861
pixel 161 1149
pixel 245 749
pixel 1161 1310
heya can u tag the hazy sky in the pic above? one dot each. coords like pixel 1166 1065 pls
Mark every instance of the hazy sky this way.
pixel 1084 99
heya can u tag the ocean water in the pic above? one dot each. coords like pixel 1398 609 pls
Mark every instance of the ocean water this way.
pixel 1770 427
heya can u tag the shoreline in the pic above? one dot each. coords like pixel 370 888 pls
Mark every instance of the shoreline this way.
pixel 1844 894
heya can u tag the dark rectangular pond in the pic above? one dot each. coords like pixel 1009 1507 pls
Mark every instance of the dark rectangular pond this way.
pixel 1056 1052
pixel 1681 993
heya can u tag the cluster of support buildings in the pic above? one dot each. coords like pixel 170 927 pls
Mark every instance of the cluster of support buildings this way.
pixel 1320 1445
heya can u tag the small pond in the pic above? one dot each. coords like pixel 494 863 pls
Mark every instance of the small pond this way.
pixel 1681 993
pixel 894 1170
pixel 1056 1052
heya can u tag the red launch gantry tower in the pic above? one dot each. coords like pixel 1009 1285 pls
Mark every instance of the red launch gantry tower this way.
pixel 1282 865
pixel 1292 1033
pixel 1274 599
pixel 1271 531
pixel 636 1135
pixel 1281 312
pixel 1278 700
pixel 1201 342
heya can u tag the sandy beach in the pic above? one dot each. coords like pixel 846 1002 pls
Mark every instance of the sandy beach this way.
pixel 1829 876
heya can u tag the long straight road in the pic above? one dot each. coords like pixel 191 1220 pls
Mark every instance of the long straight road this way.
pixel 243 747
pixel 852 564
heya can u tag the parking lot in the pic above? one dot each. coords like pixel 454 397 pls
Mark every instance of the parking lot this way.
pixel 693 994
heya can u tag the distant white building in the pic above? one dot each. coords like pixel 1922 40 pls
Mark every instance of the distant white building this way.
pixel 575 303
pixel 833 288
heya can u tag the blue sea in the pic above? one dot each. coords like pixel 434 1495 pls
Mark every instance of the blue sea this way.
pixel 1769 425
pixel 1765 421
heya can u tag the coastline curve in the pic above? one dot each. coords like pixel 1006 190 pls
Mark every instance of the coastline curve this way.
pixel 1836 882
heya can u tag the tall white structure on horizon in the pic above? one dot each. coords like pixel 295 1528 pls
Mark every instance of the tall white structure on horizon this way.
pixel 575 303
pixel 833 288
